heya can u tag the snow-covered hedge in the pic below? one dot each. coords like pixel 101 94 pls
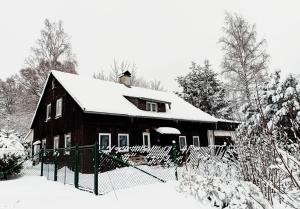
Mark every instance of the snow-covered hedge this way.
pixel 11 153
pixel 219 184
pixel 222 193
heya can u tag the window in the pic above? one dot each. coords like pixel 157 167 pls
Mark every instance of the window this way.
pixel 58 107
pixel 53 83
pixel 105 141
pixel 210 137
pixel 146 140
pixel 67 143
pixel 182 142
pixel 196 141
pixel 56 142
pixel 44 144
pixel 48 112
pixel 151 106
pixel 36 149
pixel 123 141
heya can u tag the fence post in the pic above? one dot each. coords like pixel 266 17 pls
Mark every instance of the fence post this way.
pixel 42 161
pixel 55 165
pixel 96 167
pixel 175 158
pixel 76 173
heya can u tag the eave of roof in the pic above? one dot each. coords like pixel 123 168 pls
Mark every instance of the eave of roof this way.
pixel 150 117
pixel 41 96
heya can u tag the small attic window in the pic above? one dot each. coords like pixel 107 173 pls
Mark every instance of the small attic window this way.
pixel 151 106
pixel 53 83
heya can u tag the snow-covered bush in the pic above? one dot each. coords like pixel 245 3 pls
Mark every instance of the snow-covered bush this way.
pixel 269 140
pixel 11 153
pixel 219 184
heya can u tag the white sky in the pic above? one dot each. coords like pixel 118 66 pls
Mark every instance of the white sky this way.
pixel 161 36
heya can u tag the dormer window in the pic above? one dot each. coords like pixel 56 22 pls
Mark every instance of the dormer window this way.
pixel 151 106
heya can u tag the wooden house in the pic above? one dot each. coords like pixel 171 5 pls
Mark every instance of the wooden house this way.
pixel 74 109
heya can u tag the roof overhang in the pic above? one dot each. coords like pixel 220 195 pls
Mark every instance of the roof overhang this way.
pixel 149 117
pixel 167 130
pixel 40 99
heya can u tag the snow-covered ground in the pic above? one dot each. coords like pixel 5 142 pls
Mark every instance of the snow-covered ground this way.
pixel 38 192
pixel 120 178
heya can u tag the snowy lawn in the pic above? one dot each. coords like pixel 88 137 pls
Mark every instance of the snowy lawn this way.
pixel 38 192
pixel 117 179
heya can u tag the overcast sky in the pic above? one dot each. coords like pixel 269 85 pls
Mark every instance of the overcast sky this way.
pixel 161 37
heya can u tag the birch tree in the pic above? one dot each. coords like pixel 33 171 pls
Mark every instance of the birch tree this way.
pixel 53 51
pixel 245 59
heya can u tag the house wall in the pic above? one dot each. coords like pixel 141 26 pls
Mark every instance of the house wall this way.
pixel 95 124
pixel 69 122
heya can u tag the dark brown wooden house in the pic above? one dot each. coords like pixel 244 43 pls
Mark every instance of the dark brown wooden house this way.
pixel 78 110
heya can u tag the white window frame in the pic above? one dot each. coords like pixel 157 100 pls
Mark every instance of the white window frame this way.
pixel 180 145
pixel 36 149
pixel 53 84
pixel 148 144
pixel 67 149
pixel 56 141
pixel 44 144
pixel 109 142
pixel 210 137
pixel 127 148
pixel 198 139
pixel 59 104
pixel 48 112
pixel 151 109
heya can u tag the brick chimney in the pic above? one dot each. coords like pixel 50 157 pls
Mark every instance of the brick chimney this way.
pixel 124 78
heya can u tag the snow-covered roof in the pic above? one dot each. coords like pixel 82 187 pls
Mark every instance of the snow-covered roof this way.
pixel 227 121
pixel 104 97
pixel 167 130
pixel 29 136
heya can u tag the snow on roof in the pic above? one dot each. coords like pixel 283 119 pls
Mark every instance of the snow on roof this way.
pixel 167 130
pixel 36 142
pixel 227 121
pixel 104 97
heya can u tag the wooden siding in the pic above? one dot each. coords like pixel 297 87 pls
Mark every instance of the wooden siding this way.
pixel 69 122
pixel 95 124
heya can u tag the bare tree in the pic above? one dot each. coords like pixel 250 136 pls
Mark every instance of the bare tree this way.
pixel 9 94
pixel 15 113
pixel 52 52
pixel 118 67
pixel 156 85
pixel 245 59
pixel 100 75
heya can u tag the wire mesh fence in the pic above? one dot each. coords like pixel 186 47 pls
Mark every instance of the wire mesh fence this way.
pixel 101 172
pixel 58 165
